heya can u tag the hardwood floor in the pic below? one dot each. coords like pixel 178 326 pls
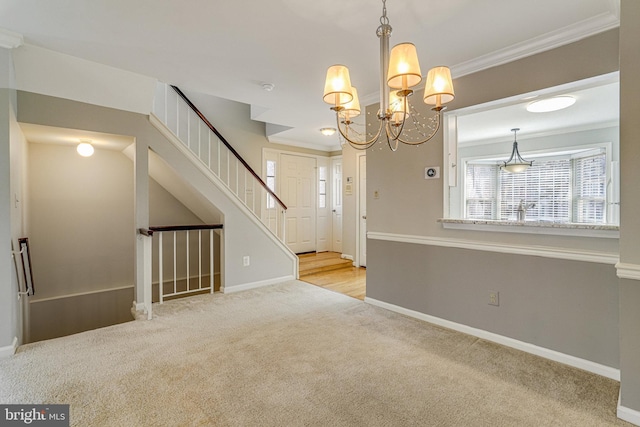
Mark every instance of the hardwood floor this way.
pixel 329 271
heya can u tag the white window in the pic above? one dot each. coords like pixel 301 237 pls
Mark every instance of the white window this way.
pixel 322 187
pixel 559 187
pixel 271 183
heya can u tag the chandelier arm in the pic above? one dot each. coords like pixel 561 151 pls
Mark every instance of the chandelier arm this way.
pixel 431 135
pixel 365 144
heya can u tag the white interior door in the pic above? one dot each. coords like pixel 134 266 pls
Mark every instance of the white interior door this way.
pixel 336 205
pixel 362 208
pixel 298 189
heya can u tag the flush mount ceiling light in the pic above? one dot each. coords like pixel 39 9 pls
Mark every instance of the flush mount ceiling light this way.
pixel 85 149
pixel 400 71
pixel 551 104
pixel 516 163
pixel 328 131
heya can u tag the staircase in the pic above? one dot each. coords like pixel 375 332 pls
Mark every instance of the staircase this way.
pixel 321 263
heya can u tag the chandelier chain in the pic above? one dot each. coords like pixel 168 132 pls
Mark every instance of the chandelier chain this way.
pixel 383 19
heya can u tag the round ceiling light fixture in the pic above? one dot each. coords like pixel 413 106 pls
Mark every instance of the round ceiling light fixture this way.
pixel 85 149
pixel 551 104
pixel 328 131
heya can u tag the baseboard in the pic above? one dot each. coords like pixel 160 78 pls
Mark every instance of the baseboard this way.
pixel 9 350
pixel 254 285
pixel 627 414
pixel 345 256
pixel 576 362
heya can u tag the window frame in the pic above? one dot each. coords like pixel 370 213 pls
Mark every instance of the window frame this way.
pixel 572 153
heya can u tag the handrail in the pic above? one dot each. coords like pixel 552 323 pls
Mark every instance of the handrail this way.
pixel 160 228
pixel 28 281
pixel 224 141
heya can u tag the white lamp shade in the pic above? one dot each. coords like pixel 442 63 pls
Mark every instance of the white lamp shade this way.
pixel 439 87
pixel 397 105
pixel 515 167
pixel 337 86
pixel 352 108
pixel 404 69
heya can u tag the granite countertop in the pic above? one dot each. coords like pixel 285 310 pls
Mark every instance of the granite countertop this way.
pixel 542 224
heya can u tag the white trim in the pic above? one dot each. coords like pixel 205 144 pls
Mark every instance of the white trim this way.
pixel 10 39
pixel 79 294
pixel 628 271
pixel 572 33
pixel 346 256
pixel 587 365
pixel 359 156
pixel 254 285
pixel 9 350
pixel 629 415
pixel 541 251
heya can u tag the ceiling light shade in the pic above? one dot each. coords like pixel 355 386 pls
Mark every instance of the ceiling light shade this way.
pixel 400 71
pixel 439 87
pixel 398 107
pixel 551 104
pixel 351 108
pixel 328 131
pixel 516 163
pixel 85 149
pixel 337 86
pixel 404 69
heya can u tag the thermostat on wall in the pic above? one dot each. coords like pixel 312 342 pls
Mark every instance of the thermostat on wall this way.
pixel 432 172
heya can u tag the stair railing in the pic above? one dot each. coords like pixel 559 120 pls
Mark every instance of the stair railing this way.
pixel 200 137
pixel 184 257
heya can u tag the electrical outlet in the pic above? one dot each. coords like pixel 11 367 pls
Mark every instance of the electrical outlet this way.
pixel 376 194
pixel 494 298
pixel 246 261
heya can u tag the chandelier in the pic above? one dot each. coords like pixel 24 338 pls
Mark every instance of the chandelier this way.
pixel 400 72
pixel 516 163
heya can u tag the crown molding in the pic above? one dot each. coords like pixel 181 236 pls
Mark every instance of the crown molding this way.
pixel 572 33
pixel 10 40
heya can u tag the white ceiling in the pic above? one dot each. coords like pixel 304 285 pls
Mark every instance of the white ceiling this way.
pixel 230 48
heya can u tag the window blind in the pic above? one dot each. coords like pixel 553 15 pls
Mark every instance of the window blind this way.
pixel 563 189
pixel 589 202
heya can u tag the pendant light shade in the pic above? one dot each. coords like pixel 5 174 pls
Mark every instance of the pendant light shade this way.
pixel 351 108
pixel 516 163
pixel 439 87
pixel 397 105
pixel 404 69
pixel 337 86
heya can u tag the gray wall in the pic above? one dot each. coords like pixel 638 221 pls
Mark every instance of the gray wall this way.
pixel 630 203
pixel 233 120
pixel 562 305
pixel 242 237
pixel 80 235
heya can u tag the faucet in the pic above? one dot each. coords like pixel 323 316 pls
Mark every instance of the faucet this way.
pixel 522 209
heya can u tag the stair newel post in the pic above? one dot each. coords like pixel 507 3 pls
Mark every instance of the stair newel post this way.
pixel 142 305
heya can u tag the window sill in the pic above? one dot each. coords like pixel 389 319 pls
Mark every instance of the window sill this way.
pixel 534 227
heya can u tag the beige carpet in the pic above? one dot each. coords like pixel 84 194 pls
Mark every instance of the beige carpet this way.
pixel 298 355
